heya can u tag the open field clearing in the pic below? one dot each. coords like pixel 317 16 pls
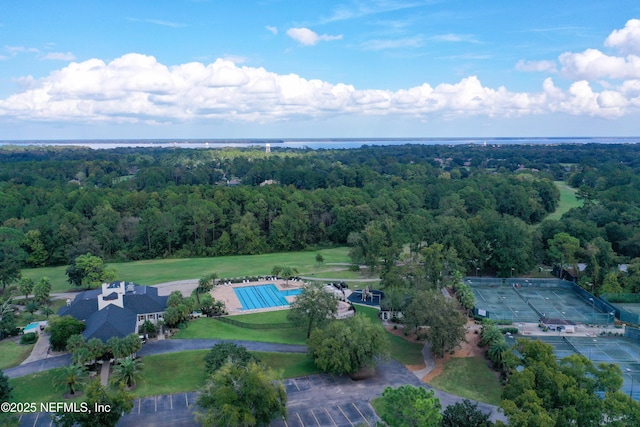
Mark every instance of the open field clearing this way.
pixel 152 272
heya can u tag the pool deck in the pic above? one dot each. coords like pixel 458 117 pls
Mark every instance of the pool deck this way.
pixel 226 294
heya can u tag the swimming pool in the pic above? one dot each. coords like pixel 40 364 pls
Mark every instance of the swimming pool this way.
pixel 263 296
pixel 32 327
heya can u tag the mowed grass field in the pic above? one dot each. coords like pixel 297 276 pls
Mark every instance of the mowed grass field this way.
pixel 152 272
pixel 12 353
pixel 215 329
pixel 469 377
pixel 39 387
pixel 568 200
pixel 161 374
pixel 403 351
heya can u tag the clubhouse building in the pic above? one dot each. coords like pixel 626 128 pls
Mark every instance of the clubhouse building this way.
pixel 117 309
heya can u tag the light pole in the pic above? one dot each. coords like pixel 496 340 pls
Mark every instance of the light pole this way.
pixel 613 318
pixel 512 271
pixel 477 271
pixel 593 311
pixel 631 392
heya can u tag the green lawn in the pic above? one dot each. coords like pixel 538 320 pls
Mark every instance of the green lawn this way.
pixel 568 200
pixel 184 371
pixel 12 353
pixel 210 328
pixel 289 365
pixel 402 350
pixel 161 374
pixel 152 272
pixel 378 406
pixel 171 373
pixel 469 377
pixel 278 316
pixel 38 387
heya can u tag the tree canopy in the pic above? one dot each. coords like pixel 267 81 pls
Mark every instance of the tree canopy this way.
pixel 227 352
pixel 116 402
pixel 90 271
pixel 314 307
pixel 408 406
pixel 6 393
pixel 61 329
pixel 572 391
pixel 346 346
pixel 436 318
pixel 237 395
pixel 465 414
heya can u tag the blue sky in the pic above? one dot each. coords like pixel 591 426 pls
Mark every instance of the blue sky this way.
pixel 318 68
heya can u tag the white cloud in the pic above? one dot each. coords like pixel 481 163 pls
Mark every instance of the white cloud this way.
pixel 627 40
pixel 455 38
pixel 273 30
pixel 593 64
pixel 541 66
pixel 308 38
pixel 160 22
pixel 136 88
pixel 59 56
pixel 402 43
pixel 372 7
pixel 14 50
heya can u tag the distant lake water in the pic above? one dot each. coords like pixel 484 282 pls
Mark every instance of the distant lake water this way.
pixel 315 144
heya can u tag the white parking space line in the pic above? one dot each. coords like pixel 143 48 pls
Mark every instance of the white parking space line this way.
pixel 345 415
pixel 363 417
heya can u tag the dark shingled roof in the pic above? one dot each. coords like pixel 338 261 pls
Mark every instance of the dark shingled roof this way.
pixel 112 320
pixel 80 309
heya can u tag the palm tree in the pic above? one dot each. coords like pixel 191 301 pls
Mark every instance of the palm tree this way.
pixel 127 371
pixel 490 334
pixel 205 284
pixel 497 352
pixel 26 286
pixel 72 376
pixel 288 272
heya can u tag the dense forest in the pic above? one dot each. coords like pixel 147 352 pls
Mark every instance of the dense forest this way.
pixel 483 208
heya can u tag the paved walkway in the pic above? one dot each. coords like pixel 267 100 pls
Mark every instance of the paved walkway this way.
pixel 429 362
pixel 104 374
pixel 40 350
pixel 329 279
pixel 38 366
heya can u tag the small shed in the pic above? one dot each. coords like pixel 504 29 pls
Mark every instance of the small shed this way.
pixel 559 325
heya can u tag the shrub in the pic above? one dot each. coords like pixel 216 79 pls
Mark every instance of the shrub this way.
pixel 227 352
pixel 29 338
pixel 61 329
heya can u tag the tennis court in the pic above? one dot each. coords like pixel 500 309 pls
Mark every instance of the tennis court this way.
pixel 523 303
pixel 624 352
pixel 503 303
pixel 628 306
pixel 263 296
pixel 559 303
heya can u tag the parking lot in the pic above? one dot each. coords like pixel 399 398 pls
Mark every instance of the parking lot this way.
pixel 339 409
pixel 305 413
pixel 345 415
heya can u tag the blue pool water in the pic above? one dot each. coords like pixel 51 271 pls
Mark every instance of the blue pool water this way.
pixel 262 296
pixel 32 327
